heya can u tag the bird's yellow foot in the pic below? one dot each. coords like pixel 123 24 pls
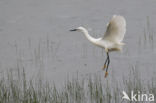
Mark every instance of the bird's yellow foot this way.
pixel 106 74
pixel 105 66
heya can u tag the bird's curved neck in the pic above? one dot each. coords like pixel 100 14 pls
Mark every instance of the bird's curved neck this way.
pixel 89 37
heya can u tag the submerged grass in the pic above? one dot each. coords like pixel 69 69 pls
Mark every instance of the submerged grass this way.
pixel 92 90
pixel 146 40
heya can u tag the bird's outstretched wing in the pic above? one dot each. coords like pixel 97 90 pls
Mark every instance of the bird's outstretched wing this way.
pixel 116 29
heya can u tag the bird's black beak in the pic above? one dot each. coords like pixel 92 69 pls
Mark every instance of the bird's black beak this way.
pixel 73 30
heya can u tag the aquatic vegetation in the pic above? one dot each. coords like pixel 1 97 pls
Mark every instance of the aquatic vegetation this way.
pixel 147 39
pixel 17 89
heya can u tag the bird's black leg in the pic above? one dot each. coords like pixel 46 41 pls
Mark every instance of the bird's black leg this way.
pixel 108 59
pixel 105 65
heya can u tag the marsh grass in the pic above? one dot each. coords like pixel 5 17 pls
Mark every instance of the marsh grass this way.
pixel 17 89
pixel 146 40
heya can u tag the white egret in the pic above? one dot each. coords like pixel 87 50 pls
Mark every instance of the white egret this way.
pixel 112 39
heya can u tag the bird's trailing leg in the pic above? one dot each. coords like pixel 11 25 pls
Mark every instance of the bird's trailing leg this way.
pixel 106 73
pixel 105 66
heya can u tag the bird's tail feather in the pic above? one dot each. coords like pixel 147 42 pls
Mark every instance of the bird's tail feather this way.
pixel 120 46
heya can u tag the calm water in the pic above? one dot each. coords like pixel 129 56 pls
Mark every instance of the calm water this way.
pixel 34 34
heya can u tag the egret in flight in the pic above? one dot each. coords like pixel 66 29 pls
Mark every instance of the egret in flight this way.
pixel 112 39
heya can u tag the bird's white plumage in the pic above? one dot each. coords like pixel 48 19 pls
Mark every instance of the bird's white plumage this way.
pixel 112 39
pixel 116 29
